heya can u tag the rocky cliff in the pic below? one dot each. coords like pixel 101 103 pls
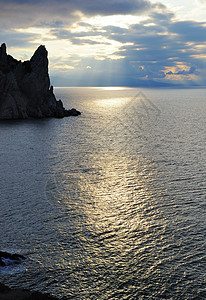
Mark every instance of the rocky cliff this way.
pixel 25 90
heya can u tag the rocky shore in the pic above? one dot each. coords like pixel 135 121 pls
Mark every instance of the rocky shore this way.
pixel 6 293
pixel 20 294
pixel 25 90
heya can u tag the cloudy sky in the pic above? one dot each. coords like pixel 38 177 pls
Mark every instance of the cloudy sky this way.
pixel 111 42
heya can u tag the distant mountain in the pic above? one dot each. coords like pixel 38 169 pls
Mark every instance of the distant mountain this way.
pixel 25 90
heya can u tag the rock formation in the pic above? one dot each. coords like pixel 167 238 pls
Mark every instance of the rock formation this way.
pixel 25 90
pixel 9 258
pixel 7 293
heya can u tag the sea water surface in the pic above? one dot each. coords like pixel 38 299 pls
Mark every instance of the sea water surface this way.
pixel 110 204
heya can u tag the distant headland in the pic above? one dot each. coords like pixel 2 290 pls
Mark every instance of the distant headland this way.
pixel 25 90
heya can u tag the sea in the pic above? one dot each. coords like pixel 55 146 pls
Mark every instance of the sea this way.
pixel 110 204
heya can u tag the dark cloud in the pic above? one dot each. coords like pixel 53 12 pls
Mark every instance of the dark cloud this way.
pixel 189 31
pixel 20 13
pixel 162 18
pixel 91 7
pixel 192 70
pixel 112 7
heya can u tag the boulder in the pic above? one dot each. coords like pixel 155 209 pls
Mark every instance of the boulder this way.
pixel 25 90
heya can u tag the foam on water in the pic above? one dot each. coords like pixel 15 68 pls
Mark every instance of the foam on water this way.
pixel 12 268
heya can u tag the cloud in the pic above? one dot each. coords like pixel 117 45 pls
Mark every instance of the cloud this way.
pixel 107 7
pixel 164 46
pixel 189 31
pixel 17 39
pixel 20 13
pixel 112 7
pixel 155 51
pixel 191 70
pixel 69 35
pixel 159 50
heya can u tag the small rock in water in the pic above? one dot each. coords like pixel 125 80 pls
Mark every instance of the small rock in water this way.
pixel 9 258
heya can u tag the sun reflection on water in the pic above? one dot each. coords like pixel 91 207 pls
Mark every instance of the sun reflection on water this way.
pixel 110 219
pixel 113 102
pixel 108 203
pixel 109 211
pixel 113 88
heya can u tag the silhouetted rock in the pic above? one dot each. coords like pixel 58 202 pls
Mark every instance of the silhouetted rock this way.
pixel 7 293
pixel 25 90
pixel 10 258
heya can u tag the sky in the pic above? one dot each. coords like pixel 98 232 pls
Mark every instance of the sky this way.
pixel 138 43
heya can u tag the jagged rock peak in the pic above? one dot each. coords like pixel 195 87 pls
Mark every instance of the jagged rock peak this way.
pixel 3 49
pixel 40 52
pixel 3 55
pixel 25 90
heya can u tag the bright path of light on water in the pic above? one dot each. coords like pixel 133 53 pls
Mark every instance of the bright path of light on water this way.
pixel 118 196
pixel 113 88
pixel 113 102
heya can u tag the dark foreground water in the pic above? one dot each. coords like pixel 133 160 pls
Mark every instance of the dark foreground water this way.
pixel 111 204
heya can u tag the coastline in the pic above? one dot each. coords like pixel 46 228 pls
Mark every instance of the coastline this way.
pixel 7 293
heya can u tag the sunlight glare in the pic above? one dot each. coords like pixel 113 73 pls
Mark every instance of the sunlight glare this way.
pixel 112 102
pixel 118 20
pixel 113 88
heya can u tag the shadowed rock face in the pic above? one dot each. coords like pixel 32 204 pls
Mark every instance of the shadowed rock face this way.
pixel 25 90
